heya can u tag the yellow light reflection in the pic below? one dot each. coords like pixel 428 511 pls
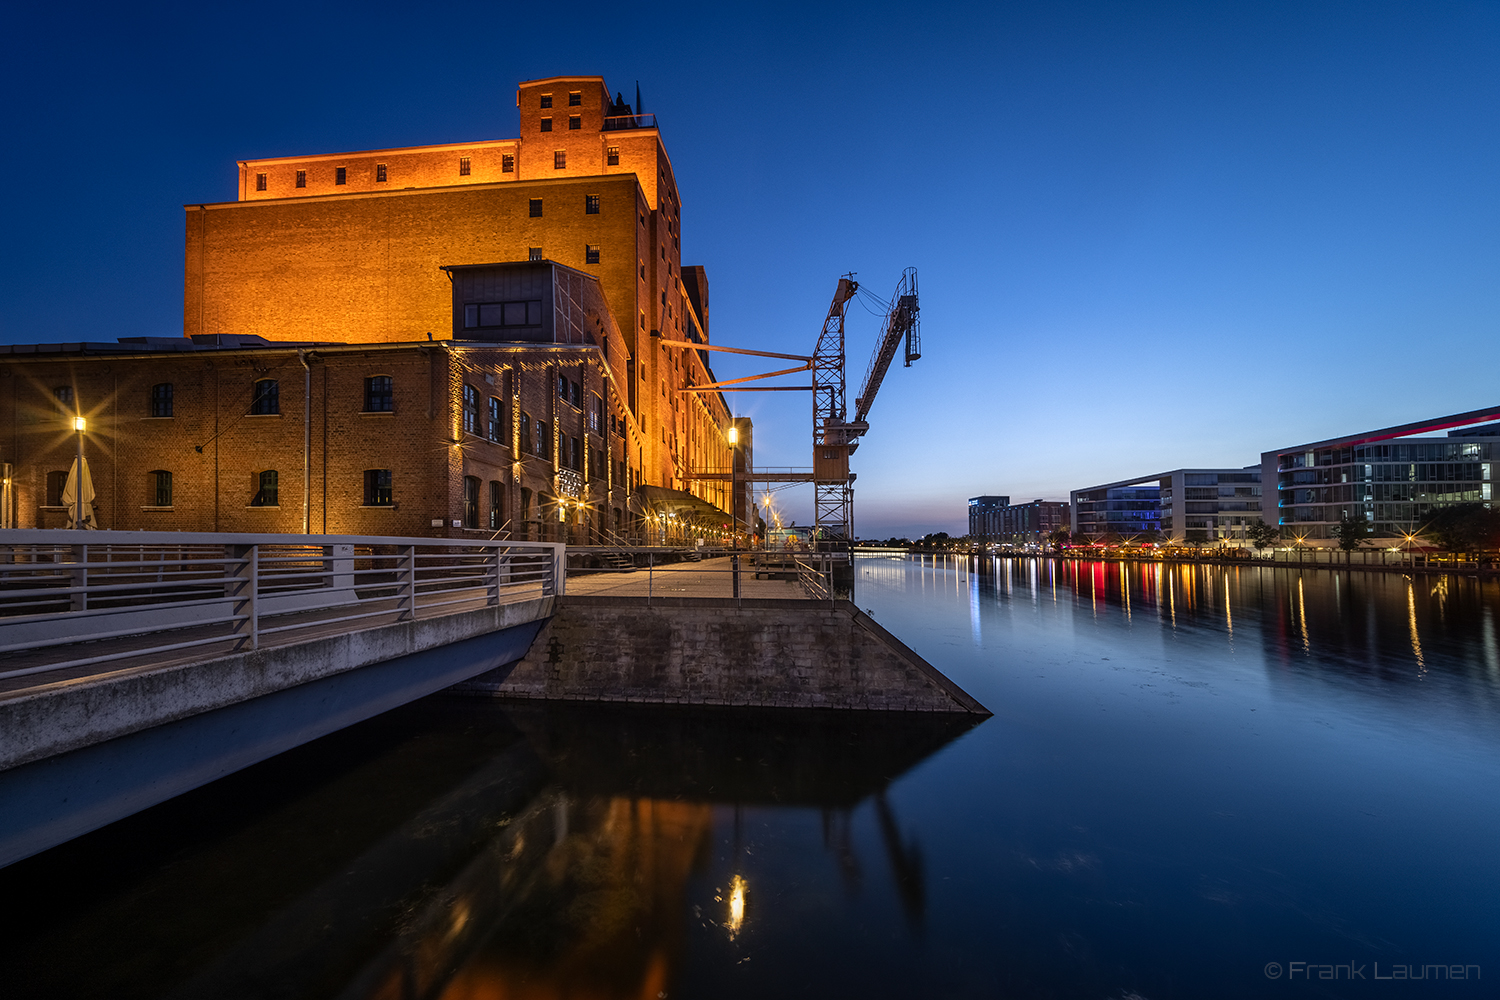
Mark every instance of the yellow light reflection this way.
pixel 1411 621
pixel 736 906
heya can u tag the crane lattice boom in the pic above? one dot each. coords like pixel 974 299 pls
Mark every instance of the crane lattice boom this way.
pixel 900 321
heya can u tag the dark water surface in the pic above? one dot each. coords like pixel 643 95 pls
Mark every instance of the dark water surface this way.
pixel 1192 773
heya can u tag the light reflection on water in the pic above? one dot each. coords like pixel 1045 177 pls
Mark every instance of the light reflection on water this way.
pixel 1193 771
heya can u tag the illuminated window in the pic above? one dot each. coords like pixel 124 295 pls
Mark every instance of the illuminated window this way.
pixel 591 253
pixel 340 175
pixel 559 159
pixel 536 208
pixel 266 489
pixel 161 487
pixel 534 253
pixel 379 395
pixel 612 155
pixel 591 204
pixel 575 98
pixel 575 122
pixel 267 398
pixel 471 502
pixel 507 163
pixel 546 100
pixel 380 172
pixel 260 182
pixel 378 488
pixel 302 178
pixel 463 166
pixel 161 399
pixel 471 410
pixel 546 124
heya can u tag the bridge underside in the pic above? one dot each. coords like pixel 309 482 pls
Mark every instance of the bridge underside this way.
pixel 140 738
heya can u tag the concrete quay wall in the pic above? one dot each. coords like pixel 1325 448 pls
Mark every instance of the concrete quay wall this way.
pixel 716 651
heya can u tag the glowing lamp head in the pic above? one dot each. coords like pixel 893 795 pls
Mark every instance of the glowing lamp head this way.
pixel 80 424
pixel 732 435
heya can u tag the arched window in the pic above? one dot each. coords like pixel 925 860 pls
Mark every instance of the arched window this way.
pixel 471 410
pixel 267 398
pixel 266 488
pixel 497 505
pixel 471 502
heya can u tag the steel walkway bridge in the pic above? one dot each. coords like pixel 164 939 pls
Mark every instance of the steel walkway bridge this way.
pixel 135 666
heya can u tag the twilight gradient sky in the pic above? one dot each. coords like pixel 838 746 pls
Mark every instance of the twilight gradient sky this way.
pixel 1149 235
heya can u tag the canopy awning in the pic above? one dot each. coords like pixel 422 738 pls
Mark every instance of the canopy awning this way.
pixel 662 500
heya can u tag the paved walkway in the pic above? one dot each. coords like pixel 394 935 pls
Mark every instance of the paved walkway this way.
pixel 709 578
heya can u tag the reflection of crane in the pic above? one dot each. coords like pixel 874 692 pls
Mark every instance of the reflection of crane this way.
pixel 835 438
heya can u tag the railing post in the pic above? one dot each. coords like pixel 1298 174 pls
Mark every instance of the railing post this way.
pixel 495 583
pixel 735 562
pixel 407 595
pixel 242 566
pixel 79 578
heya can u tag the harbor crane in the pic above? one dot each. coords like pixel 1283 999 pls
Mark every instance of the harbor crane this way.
pixel 835 438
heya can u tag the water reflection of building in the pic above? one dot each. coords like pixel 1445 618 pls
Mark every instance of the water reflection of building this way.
pixel 1205 505
pixel 1395 477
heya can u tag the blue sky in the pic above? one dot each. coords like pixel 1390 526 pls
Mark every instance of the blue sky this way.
pixel 1148 235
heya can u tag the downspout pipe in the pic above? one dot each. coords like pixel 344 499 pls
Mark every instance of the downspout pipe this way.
pixel 306 441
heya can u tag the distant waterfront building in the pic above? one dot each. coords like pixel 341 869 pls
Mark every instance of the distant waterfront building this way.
pixel 1397 477
pixel 1208 505
pixel 984 515
pixel 1031 523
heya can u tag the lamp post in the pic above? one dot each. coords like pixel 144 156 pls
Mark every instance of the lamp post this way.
pixel 733 437
pixel 80 425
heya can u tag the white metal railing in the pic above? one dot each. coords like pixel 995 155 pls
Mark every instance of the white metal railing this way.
pixel 157 592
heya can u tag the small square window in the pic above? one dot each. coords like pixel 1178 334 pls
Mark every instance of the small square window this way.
pixel 591 253
pixel 507 163
pixel 575 98
pixel 463 166
pixel 533 253
pixel 260 182
pixel 546 100
pixel 575 122
pixel 612 155
pixel 340 175
pixel 378 488
pixel 536 208
pixel 591 204
pixel 302 178
pixel 546 124
pixel 559 159
pixel 380 173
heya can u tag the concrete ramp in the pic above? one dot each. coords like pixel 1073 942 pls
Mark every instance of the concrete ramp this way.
pixel 718 651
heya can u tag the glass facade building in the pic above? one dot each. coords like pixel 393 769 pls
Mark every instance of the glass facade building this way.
pixel 1200 505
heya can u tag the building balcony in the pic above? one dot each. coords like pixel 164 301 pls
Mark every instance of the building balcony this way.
pixel 621 122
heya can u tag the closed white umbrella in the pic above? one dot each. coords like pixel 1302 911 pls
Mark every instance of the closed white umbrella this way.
pixel 70 496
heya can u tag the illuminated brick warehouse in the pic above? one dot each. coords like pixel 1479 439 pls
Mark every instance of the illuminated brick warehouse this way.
pixel 478 327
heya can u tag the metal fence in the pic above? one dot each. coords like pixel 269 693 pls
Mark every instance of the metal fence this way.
pixel 160 592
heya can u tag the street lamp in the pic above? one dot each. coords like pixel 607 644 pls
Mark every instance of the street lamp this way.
pixel 733 437
pixel 80 425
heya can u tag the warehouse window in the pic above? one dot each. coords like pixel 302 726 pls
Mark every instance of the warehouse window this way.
pixel 380 395
pixel 574 122
pixel 546 124
pixel 56 483
pixel 161 399
pixel 471 502
pixel 612 155
pixel 497 504
pixel 378 488
pixel 559 159
pixel 575 98
pixel 260 182
pixel 380 172
pixel 302 178
pixel 479 315
pixel 591 253
pixel 525 433
pixel 267 398
pixel 266 489
pixel 591 204
pixel 536 208
pixel 340 175
pixel 161 487
pixel 463 166
pixel 543 440
pixel 471 410
pixel 507 163
pixel 534 253
pixel 495 424
pixel 546 100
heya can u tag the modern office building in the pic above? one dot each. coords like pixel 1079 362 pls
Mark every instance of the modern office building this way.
pixel 1396 477
pixel 984 515
pixel 1203 505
